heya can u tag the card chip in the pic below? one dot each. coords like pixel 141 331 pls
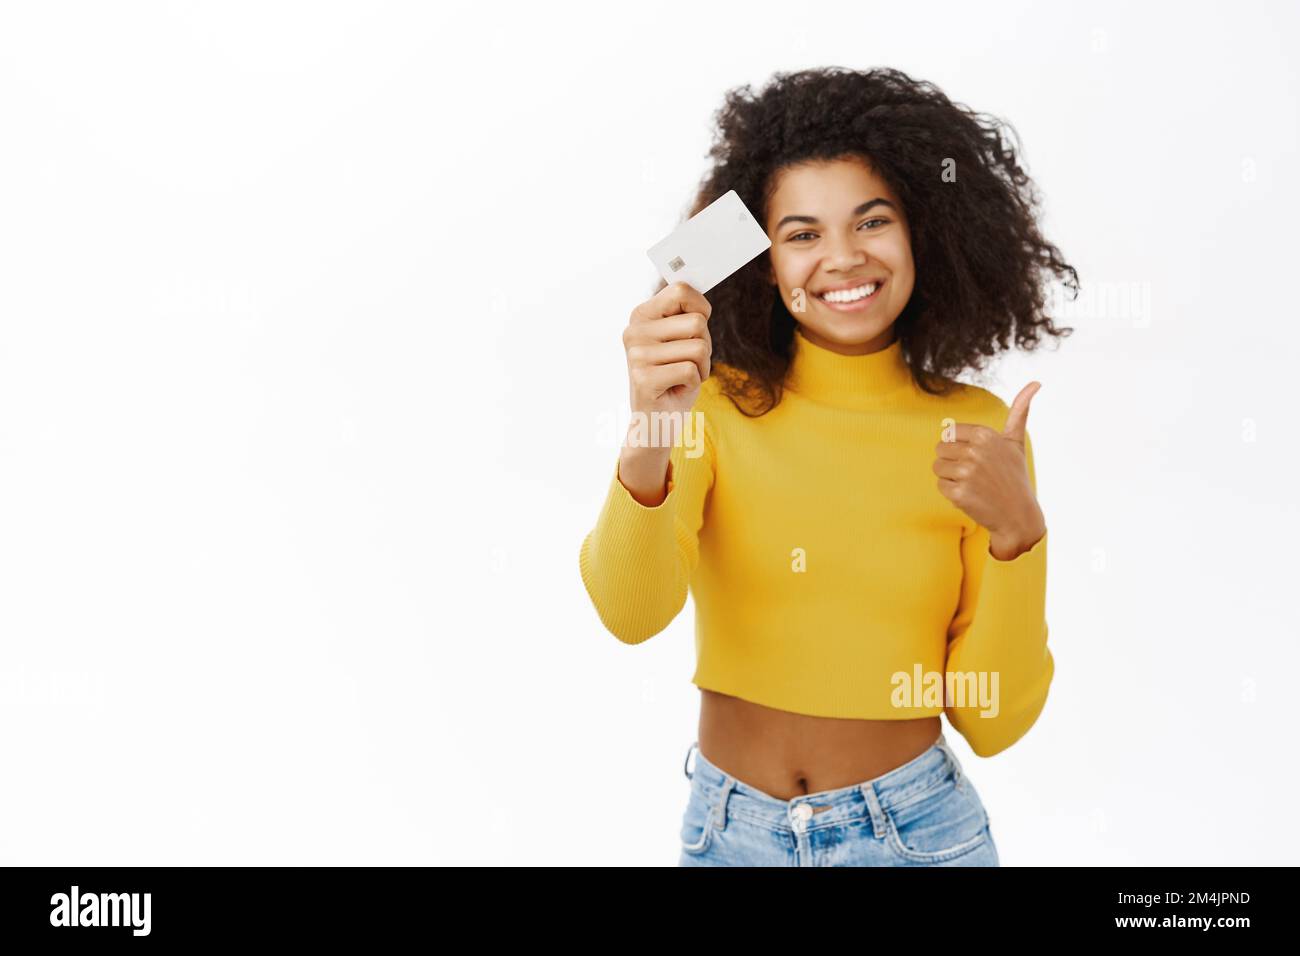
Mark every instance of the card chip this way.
pixel 713 244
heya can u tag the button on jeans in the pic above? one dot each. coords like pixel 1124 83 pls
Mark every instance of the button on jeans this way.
pixel 925 812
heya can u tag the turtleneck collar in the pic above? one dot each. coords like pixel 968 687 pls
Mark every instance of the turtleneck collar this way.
pixel 848 381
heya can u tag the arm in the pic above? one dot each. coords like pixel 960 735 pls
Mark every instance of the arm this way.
pixel 1000 629
pixel 637 562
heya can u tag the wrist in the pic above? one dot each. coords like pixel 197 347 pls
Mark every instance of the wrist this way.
pixel 644 473
pixel 1010 544
pixel 644 457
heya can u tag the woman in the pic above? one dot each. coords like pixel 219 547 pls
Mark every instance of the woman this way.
pixel 859 530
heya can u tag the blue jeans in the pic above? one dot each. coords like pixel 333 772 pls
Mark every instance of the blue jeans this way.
pixel 925 812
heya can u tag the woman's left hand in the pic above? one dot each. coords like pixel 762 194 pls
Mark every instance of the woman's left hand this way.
pixel 984 473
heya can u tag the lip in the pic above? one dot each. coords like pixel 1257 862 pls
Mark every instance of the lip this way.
pixel 857 305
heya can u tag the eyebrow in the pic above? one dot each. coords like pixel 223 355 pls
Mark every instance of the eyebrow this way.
pixel 865 207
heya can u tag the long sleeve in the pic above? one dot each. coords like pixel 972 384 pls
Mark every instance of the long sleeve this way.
pixel 637 562
pixel 999 629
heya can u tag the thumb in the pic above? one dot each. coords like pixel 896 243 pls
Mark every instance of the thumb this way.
pixel 1019 414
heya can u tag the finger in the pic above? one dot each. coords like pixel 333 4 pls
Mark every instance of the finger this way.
pixel 675 299
pixel 691 325
pixel 660 378
pixel 678 350
pixel 1019 413
pixel 952 470
pixel 967 432
pixel 952 450
pixel 948 488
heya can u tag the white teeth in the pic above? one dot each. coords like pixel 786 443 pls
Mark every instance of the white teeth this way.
pixel 851 295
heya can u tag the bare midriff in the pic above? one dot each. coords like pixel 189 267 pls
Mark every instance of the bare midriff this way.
pixel 786 755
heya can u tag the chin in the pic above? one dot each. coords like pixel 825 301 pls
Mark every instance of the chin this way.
pixel 851 331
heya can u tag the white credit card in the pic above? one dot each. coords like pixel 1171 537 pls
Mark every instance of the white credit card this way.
pixel 711 245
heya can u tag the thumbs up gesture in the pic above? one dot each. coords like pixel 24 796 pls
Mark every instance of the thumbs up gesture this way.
pixel 984 473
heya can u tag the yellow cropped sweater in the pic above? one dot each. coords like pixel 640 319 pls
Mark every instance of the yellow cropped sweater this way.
pixel 830 575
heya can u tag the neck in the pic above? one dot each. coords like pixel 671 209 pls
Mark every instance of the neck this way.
pixel 881 341
pixel 858 379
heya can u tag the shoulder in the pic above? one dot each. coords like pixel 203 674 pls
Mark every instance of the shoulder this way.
pixel 712 400
pixel 723 380
pixel 721 398
pixel 975 404
pixel 725 372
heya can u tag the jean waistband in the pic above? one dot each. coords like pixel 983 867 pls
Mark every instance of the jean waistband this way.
pixel 892 789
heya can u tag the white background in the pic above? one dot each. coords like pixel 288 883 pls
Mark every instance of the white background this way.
pixel 311 349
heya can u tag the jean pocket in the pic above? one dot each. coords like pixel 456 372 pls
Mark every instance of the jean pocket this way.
pixel 941 824
pixel 697 822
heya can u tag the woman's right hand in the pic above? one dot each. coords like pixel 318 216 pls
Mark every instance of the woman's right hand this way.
pixel 668 350
pixel 668 358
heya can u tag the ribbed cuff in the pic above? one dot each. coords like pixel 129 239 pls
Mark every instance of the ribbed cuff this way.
pixel 1015 591
pixel 628 563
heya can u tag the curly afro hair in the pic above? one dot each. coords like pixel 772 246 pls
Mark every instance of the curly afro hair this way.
pixel 981 262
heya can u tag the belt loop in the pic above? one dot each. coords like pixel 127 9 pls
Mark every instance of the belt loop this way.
pixel 874 808
pixel 942 744
pixel 690 774
pixel 721 811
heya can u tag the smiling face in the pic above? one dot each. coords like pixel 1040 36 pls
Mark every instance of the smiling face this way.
pixel 839 234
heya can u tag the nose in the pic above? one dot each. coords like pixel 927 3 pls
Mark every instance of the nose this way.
pixel 844 255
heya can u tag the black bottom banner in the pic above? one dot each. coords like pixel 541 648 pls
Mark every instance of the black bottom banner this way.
pixel 373 905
